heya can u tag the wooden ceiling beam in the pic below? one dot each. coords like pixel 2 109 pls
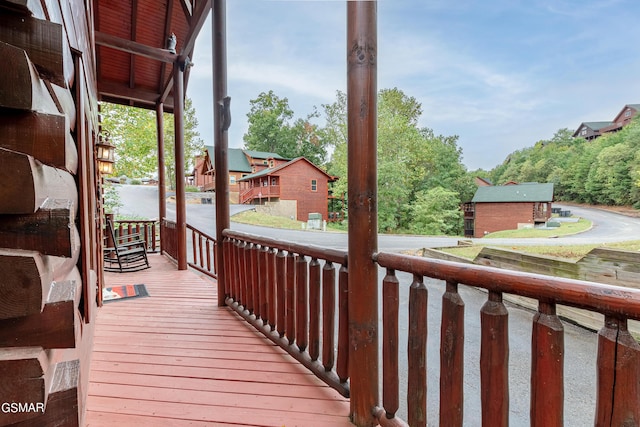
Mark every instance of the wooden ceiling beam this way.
pixel 123 91
pixel 135 48
pixel 187 6
pixel 132 60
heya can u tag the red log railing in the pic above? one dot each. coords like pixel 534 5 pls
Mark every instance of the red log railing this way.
pixel 169 233
pixel 203 251
pixel 618 359
pixel 148 229
pixel 288 292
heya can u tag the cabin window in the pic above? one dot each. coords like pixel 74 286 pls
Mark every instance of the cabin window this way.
pixel 584 131
pixel 232 179
pixel 314 185
pixel 627 113
pixel 264 162
pixel 272 163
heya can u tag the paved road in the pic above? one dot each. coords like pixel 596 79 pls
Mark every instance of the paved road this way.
pixel 581 345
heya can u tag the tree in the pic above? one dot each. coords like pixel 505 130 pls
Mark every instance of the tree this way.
pixel 134 132
pixel 272 128
pixel 410 160
pixel 436 212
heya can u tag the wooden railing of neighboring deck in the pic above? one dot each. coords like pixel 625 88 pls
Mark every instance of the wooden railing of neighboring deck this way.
pixel 169 233
pixel 203 251
pixel 148 229
pixel 288 292
pixel 618 358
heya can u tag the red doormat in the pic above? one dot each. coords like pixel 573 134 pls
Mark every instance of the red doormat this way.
pixel 116 293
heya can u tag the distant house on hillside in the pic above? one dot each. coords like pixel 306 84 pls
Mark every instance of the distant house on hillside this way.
pixel 241 163
pixel 507 207
pixel 296 188
pixel 592 130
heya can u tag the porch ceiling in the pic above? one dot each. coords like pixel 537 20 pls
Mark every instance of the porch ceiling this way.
pixel 133 65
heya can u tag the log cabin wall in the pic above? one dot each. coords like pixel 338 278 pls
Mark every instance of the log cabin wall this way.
pixel 50 230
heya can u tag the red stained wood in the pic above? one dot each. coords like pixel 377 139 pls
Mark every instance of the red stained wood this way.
pixel 25 285
pixel 328 315
pixel 390 306
pixel 43 41
pixel 281 283
pixel 26 375
pixel 452 357
pixel 342 365
pixel 221 372
pixel 618 388
pixel 314 309
pixel 261 284
pixel 302 297
pixel 494 362
pixel 291 297
pixel 271 288
pixel 26 131
pixel 547 368
pixel 29 183
pixel 417 354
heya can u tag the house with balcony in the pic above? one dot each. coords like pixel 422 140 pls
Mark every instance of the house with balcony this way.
pixel 507 207
pixel 592 130
pixel 238 328
pixel 241 163
pixel 298 186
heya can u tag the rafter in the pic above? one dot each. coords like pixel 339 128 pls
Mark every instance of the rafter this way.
pixel 108 40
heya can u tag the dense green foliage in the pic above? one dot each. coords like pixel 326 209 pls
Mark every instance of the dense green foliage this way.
pixel 601 171
pixel 133 131
pixel 273 129
pixel 421 179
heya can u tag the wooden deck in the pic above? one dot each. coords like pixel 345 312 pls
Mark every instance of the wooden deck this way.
pixel 175 359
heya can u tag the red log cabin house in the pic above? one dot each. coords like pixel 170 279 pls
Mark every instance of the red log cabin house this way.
pixel 507 207
pixel 241 163
pixel 283 333
pixel 592 130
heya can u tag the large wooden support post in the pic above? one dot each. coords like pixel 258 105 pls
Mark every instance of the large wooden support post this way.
pixel 363 212
pixel 162 185
pixel 178 117
pixel 221 122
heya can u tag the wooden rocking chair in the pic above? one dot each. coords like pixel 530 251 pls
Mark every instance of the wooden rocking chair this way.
pixel 128 253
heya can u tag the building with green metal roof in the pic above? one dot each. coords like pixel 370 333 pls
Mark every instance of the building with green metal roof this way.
pixel 507 207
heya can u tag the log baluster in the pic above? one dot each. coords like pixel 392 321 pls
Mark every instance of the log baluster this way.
pixel 547 368
pixel 390 308
pixel 291 297
pixel 302 315
pixel 342 367
pixel 494 361
pixel 417 354
pixel 281 280
pixel 208 252
pixel 618 387
pixel 253 280
pixel 271 288
pixel 314 309
pixel 451 357
pixel 262 284
pixel 248 277
pixel 242 273
pixel 328 315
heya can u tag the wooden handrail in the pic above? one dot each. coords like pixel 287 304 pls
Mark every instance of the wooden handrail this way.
pixel 203 252
pixel 605 299
pixel 288 292
pixel 147 228
pixel 618 357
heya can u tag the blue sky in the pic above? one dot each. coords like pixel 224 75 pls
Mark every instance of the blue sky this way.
pixel 500 74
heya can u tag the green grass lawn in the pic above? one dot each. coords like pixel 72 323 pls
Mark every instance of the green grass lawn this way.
pixel 255 218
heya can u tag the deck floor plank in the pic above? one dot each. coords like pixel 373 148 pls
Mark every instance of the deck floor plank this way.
pixel 175 359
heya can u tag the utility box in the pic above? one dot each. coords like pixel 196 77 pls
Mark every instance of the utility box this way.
pixel 315 221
